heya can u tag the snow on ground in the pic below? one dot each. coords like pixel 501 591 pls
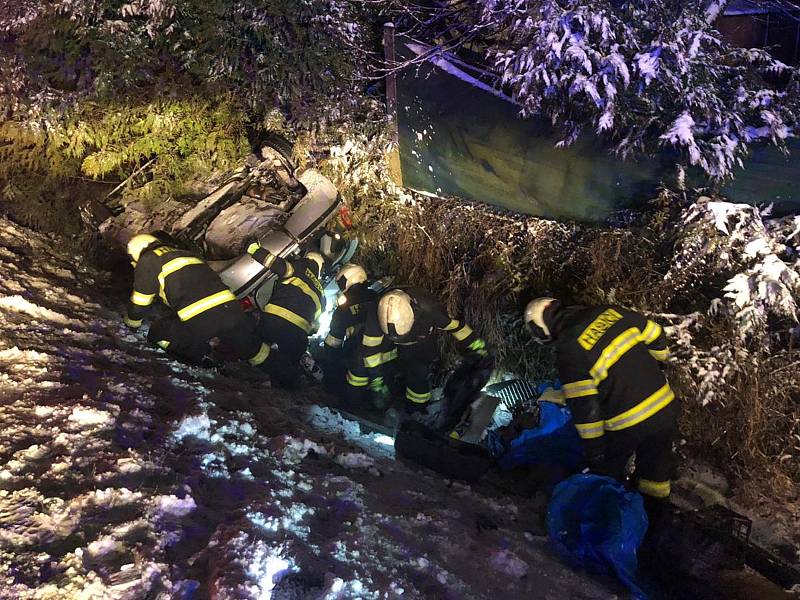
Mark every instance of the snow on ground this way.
pixel 125 474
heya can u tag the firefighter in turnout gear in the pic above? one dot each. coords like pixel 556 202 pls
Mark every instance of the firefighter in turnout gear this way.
pixel 402 328
pixel 204 307
pixel 356 300
pixel 290 317
pixel 608 361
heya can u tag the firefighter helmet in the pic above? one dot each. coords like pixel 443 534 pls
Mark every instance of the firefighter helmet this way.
pixel 138 243
pixel 534 318
pixel 349 275
pixel 317 259
pixel 396 314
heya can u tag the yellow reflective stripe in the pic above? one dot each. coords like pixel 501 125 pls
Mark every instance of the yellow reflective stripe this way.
pixel 644 410
pixel 453 324
pixel 253 248
pixel 269 260
pixel 657 489
pixel 613 352
pixel 263 354
pixel 463 333
pixel 302 285
pixel 578 389
pixel 589 431
pixel 142 299
pixel 376 360
pixel 372 361
pixel 333 341
pixel 288 315
pixel 205 304
pixel 389 356
pixel 651 332
pixel 289 270
pixel 371 340
pixel 417 398
pixel 660 354
pixel 357 381
pixel 163 343
pixel 169 268
pixel 132 322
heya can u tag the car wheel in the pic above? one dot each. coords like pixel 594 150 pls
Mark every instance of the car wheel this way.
pixel 281 145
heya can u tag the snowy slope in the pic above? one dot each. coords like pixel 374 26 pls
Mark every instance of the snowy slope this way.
pixel 124 474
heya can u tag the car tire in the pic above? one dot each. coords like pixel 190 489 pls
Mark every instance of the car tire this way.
pixel 281 145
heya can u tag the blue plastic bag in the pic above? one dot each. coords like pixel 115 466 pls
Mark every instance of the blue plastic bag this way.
pixel 597 524
pixel 554 442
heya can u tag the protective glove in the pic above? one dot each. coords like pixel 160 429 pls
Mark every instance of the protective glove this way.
pixel 133 324
pixel 479 348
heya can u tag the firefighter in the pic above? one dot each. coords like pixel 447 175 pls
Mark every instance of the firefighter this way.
pixel 608 361
pixel 402 327
pixel 356 300
pixel 204 307
pixel 290 317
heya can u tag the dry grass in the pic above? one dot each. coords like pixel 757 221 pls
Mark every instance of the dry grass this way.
pixel 486 265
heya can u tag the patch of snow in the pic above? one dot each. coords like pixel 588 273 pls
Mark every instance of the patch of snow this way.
pixel 173 506
pixel 90 416
pixel 296 450
pixel 506 562
pixel 19 304
pixel 266 568
pixel 18 356
pixel 353 460
pixel 330 422
pixel 722 211
pixel 194 426
pixel 44 411
pixel 102 547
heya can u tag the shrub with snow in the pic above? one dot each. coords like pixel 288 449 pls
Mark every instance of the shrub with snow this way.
pixel 644 75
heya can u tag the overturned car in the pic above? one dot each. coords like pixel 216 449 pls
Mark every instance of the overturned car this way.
pixel 265 200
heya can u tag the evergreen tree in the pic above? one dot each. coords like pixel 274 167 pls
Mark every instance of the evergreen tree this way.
pixel 643 74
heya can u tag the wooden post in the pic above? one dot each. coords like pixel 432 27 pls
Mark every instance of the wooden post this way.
pixel 390 60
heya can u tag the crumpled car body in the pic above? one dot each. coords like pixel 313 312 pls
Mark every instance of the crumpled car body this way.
pixel 263 200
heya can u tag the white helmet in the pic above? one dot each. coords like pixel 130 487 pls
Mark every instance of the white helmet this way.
pixel 138 243
pixel 318 259
pixel 534 318
pixel 349 275
pixel 395 314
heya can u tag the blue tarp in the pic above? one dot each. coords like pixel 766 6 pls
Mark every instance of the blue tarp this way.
pixel 598 525
pixel 554 442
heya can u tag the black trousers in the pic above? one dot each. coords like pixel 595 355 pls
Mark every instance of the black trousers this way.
pixel 408 374
pixel 189 339
pixel 415 363
pixel 652 443
pixel 283 363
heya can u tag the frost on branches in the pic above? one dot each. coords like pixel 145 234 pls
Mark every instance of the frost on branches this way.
pixel 748 265
pixel 644 75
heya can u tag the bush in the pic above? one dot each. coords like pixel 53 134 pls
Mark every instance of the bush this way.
pixel 97 90
pixel 722 278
